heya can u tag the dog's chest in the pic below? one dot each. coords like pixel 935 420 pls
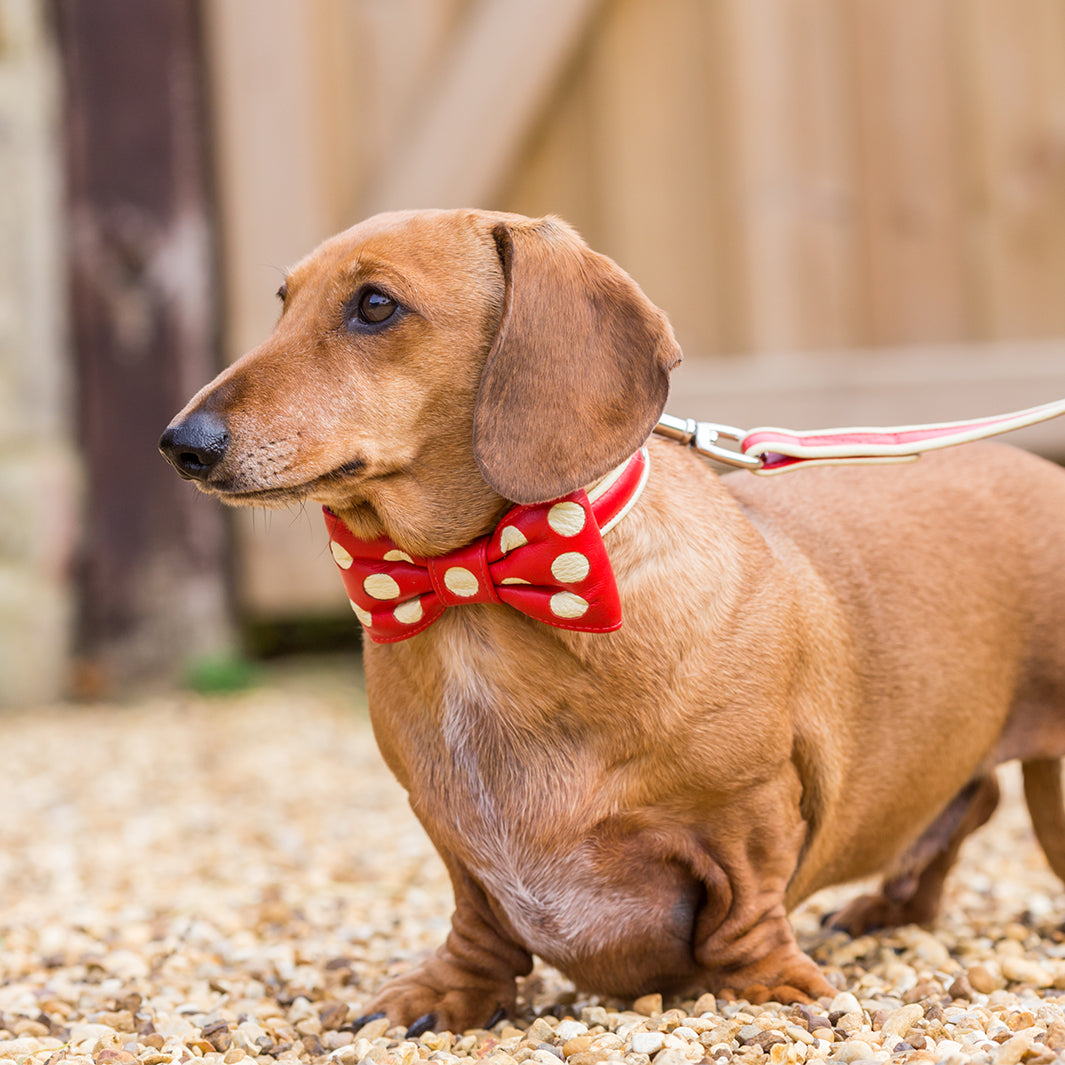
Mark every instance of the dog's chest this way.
pixel 499 798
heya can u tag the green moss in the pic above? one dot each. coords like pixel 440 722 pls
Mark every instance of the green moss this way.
pixel 210 674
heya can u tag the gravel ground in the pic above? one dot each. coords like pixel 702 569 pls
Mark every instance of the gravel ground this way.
pixel 231 877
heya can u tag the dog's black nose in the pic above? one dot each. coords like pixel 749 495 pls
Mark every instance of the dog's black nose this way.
pixel 196 444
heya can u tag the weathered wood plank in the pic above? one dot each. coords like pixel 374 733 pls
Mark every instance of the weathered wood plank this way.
pixel 796 155
pixel 1015 72
pixel 911 179
pixel 654 167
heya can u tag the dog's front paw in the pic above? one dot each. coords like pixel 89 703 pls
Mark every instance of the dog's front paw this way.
pixel 800 980
pixel 759 994
pixel 439 997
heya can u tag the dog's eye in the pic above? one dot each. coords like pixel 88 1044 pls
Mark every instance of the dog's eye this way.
pixel 375 306
pixel 282 292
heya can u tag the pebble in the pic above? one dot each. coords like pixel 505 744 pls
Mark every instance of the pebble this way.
pixel 113 1056
pixel 646 1042
pixel 902 1020
pixel 671 1056
pixel 845 1002
pixel 540 1030
pixel 587 1057
pixel 850 1022
pixel 372 1029
pixel 982 980
pixel 648 1005
pixel 936 955
pixel 1023 971
pixel 546 1055
pixel 852 1050
pixel 570 1029
pixel 595 1015
pixel 705 1004
pixel 1055 1037
pixel 19 1048
pixel 577 1045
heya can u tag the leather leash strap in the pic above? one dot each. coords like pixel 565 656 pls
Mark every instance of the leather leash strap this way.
pixel 767 449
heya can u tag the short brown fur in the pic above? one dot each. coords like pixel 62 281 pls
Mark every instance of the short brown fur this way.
pixel 816 676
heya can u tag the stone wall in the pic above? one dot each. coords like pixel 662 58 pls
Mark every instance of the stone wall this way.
pixel 38 470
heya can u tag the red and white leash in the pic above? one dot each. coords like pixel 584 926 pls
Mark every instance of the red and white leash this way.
pixel 769 450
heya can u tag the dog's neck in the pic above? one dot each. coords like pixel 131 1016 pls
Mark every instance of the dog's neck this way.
pixel 545 560
pixel 611 500
pixel 467 510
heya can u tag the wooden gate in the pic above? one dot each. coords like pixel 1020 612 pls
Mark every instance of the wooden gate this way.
pixel 853 210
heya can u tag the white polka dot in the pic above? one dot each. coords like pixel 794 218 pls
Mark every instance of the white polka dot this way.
pixel 397 556
pixel 460 581
pixel 513 580
pixel 343 558
pixel 510 538
pixel 567 519
pixel 362 615
pixel 568 605
pixel 409 613
pixel 380 586
pixel 570 568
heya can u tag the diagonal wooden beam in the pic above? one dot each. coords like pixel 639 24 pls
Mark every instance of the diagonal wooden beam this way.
pixel 475 115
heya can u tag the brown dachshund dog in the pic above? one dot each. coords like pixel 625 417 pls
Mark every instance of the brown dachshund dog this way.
pixel 815 677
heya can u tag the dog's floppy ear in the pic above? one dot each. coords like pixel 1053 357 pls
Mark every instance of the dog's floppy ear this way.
pixel 579 371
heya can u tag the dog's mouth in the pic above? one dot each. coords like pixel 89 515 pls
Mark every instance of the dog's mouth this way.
pixel 326 487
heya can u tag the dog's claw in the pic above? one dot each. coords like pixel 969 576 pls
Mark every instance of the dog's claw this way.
pixel 425 1023
pixel 355 1024
pixel 499 1015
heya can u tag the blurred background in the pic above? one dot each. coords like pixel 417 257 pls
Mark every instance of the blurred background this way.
pixel 853 211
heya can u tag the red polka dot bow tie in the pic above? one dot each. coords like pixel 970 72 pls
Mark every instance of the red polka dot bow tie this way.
pixel 547 560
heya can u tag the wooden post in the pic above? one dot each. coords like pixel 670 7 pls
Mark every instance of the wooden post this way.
pixel 144 328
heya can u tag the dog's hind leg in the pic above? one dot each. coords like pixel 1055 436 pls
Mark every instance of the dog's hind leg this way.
pixel 1042 792
pixel 911 892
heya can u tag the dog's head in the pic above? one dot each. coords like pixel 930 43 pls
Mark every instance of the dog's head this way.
pixel 426 368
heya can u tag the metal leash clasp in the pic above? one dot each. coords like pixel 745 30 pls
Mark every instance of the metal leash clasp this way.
pixel 703 437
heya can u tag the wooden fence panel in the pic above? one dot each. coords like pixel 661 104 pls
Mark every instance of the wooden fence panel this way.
pixel 908 88
pixel 557 171
pixel 1015 74
pixel 653 168
pixel 798 167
